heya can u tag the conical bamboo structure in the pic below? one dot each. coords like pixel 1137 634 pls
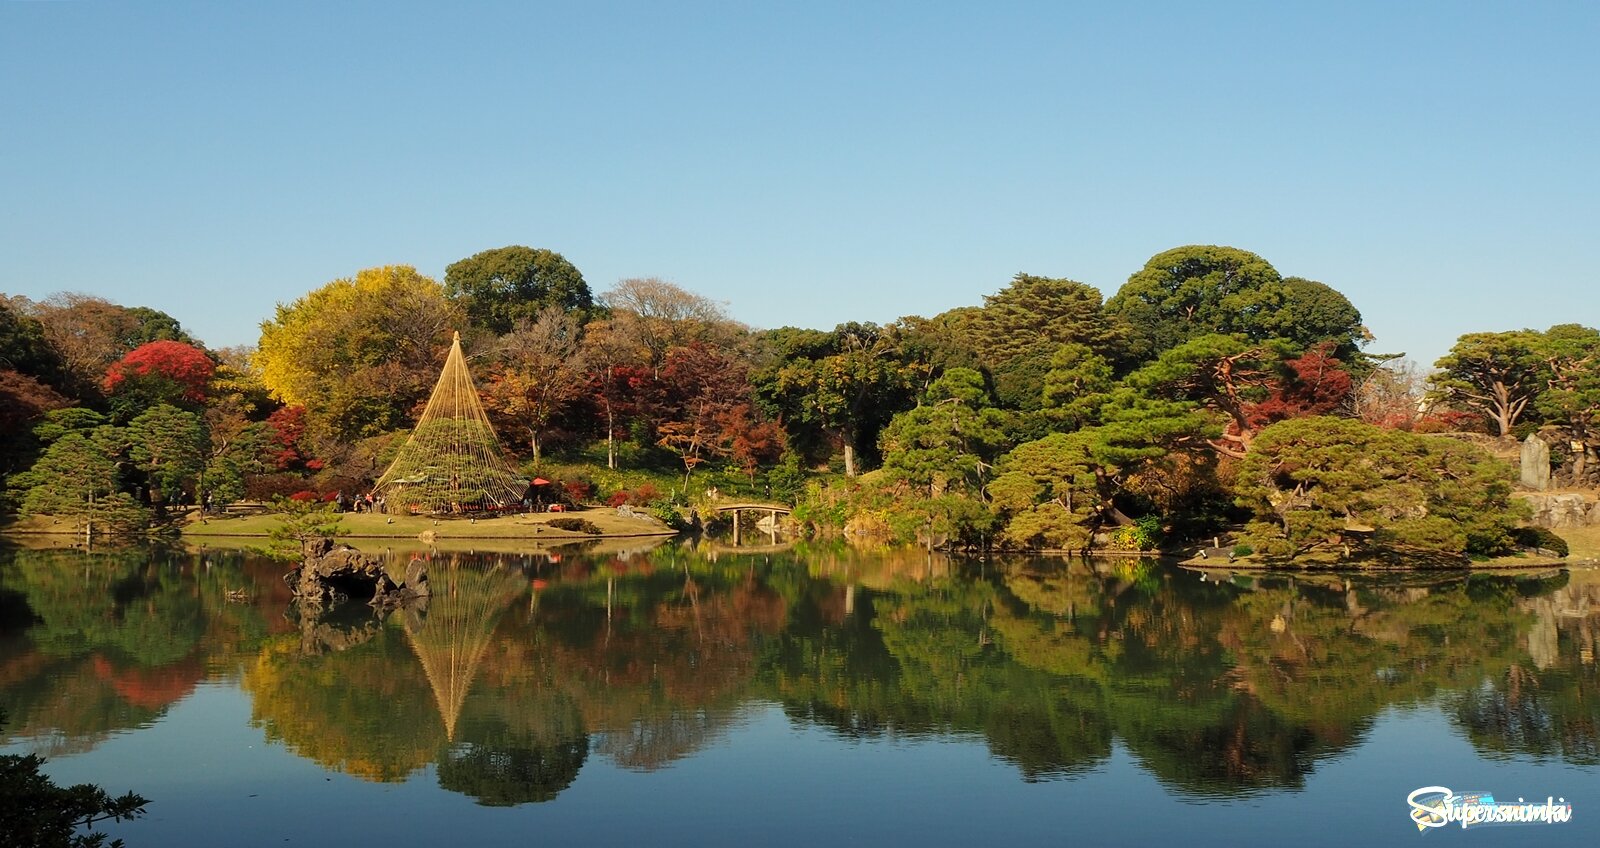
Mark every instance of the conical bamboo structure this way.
pixel 452 462
pixel 463 610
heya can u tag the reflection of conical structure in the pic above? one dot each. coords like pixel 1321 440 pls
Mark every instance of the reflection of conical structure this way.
pixel 462 614
pixel 452 461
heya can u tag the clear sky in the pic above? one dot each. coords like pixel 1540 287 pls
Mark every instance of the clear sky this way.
pixel 809 162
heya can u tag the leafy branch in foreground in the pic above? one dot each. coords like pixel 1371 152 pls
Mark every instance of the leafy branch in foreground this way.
pixel 36 813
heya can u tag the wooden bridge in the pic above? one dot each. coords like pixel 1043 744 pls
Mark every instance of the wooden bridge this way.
pixel 776 509
pixel 771 509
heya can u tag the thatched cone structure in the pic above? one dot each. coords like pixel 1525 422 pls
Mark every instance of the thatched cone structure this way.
pixel 462 613
pixel 452 462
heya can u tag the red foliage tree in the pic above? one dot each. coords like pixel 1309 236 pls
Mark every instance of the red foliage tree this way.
pixel 165 371
pixel 288 427
pixel 1315 383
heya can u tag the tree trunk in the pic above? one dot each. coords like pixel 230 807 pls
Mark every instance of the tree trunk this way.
pixel 533 442
pixel 849 458
pixel 611 438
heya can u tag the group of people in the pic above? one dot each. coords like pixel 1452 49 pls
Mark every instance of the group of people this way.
pixel 368 502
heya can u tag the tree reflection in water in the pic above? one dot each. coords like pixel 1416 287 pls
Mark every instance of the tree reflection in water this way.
pixel 523 667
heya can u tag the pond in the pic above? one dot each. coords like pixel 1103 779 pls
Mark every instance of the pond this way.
pixel 690 695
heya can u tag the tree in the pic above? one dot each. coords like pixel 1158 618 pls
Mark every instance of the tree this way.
pixel 707 405
pixel 500 287
pixel 359 353
pixel 36 813
pixel 168 445
pixel 538 369
pixel 1077 379
pixel 1021 327
pixel 25 350
pixel 1320 483
pixel 1202 290
pixel 1571 359
pixel 78 478
pixel 23 402
pixel 161 372
pixel 1496 374
pixel 949 442
pixel 655 316
pixel 89 333
pixel 1227 375
pixel 1391 395
pixel 842 387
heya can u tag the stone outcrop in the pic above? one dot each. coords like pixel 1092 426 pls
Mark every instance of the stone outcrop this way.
pixel 1535 463
pixel 330 576
pixel 1563 510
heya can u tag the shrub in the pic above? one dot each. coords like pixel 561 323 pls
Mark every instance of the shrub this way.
pixel 577 525
pixel 1539 537
pixel 644 495
pixel 305 496
pixel 578 491
pixel 1243 550
pixel 618 498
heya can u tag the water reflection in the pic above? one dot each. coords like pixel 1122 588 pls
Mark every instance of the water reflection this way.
pixel 521 668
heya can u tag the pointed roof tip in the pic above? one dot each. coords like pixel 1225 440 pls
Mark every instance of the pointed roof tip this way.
pixel 455 337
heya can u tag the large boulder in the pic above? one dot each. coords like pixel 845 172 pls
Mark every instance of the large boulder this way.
pixel 331 575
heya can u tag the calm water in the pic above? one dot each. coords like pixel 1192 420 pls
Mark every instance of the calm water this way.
pixel 683 696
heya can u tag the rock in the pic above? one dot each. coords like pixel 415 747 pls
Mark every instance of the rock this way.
pixel 330 576
pixel 1566 510
pixel 1535 463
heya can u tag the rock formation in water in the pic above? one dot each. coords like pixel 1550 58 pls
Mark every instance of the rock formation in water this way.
pixel 329 576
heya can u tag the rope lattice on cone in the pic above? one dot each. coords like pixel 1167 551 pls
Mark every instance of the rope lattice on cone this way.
pixel 452 462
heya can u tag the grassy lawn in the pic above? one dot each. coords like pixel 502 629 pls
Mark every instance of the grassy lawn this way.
pixel 366 525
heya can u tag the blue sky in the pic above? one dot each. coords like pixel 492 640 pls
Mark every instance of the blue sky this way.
pixel 808 163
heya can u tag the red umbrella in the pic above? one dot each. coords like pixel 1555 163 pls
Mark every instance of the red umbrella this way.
pixel 540 481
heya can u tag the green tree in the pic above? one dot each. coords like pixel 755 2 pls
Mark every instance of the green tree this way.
pixel 168 445
pixel 947 442
pixel 1205 289
pixel 1226 375
pixel 1316 484
pixel 1571 357
pixel 499 287
pixel 78 478
pixel 1496 374
pixel 844 387
pixel 1077 380
pixel 37 813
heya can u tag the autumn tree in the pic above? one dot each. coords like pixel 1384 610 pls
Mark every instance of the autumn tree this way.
pixel 500 287
pixel 538 369
pixel 655 316
pixel 359 353
pixel 160 372
pixel 1390 395
pixel 89 333
pixel 1497 375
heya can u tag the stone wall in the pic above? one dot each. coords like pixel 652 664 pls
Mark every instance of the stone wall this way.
pixel 1563 510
